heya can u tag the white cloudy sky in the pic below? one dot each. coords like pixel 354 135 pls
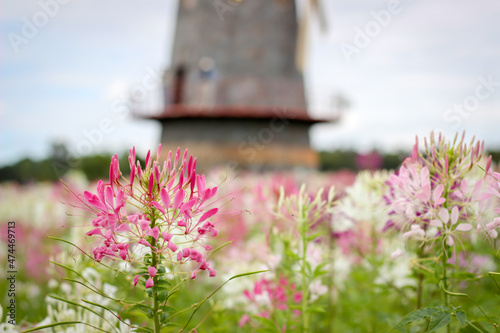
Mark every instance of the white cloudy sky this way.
pixel 68 75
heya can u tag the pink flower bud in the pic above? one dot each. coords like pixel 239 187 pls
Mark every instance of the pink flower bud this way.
pixel 172 246
pixel 123 254
pixel 96 231
pixel 109 234
pixel 150 184
pixel 136 280
pixel 152 271
pixel 155 232
pixel 149 283
pixel 143 224
pixel 244 320
pixel 166 236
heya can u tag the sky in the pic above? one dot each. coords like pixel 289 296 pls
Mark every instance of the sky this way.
pixel 406 67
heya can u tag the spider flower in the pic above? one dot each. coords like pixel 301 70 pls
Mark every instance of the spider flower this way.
pixel 441 192
pixel 165 210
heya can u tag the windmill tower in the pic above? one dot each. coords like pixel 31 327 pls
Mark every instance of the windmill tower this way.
pixel 234 91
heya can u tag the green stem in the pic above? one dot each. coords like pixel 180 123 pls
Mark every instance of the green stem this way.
pixel 331 286
pixel 154 263
pixel 419 290
pixel 445 285
pixel 474 326
pixel 473 302
pixel 420 277
pixel 305 313
pixel 373 311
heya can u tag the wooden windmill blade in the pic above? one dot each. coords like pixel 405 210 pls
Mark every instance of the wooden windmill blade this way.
pixel 309 6
pixel 320 11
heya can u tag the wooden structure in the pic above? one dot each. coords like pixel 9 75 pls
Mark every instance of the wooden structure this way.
pixel 233 93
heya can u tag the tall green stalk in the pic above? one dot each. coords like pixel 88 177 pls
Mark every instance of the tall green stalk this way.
pixel 373 310
pixel 330 285
pixel 420 277
pixel 305 313
pixel 154 263
pixel 445 284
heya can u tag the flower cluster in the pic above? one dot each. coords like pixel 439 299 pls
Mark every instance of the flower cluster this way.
pixel 269 296
pixel 163 211
pixel 440 193
pixel 494 189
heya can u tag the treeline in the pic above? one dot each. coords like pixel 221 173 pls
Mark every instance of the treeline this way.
pixel 352 160
pixel 97 166
pixel 27 170
pixel 59 164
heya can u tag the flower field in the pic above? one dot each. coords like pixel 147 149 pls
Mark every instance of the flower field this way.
pixel 163 247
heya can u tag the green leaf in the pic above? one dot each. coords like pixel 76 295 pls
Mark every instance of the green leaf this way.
pixel 268 323
pixel 172 324
pixel 308 268
pixel 148 311
pixel 246 274
pixel 105 308
pixel 216 290
pixel 318 273
pixel 291 254
pixel 143 330
pixel 219 248
pixel 416 315
pixel 474 327
pixel 491 275
pixel 84 307
pixel 438 320
pixel 460 316
pixel 314 236
pixel 97 291
pixel 161 282
pixel 464 276
pixel 163 296
pixel 317 308
pixel 157 289
pixel 141 272
pixel 61 323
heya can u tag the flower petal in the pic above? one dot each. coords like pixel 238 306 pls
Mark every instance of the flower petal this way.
pixel 464 227
pixel 179 196
pixel 444 215
pixel 158 206
pixel 436 223
pixel 165 198
pixel 454 215
pixel 209 214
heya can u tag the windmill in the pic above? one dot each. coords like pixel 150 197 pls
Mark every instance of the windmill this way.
pixel 234 90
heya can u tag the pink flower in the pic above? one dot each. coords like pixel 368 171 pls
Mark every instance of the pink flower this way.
pixel 426 182
pixel 173 200
pixel 244 320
